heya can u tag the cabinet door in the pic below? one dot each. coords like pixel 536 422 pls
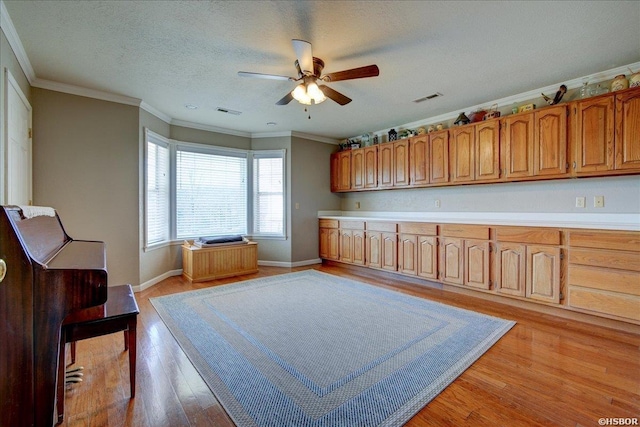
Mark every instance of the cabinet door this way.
pixel 346 246
pixel 476 264
pixel 628 130
pixel 427 257
pixel 329 243
pixel 419 160
pixel 594 135
pixel 357 169
pixel 371 167
pixel 344 168
pixel 390 251
pixel 335 171
pixel 358 247
pixel 543 273
pixel 463 154
pixel 439 157
pixel 385 165
pixel 518 145
pixel 374 249
pixel 408 254
pixel 550 141
pixel 451 260
pixel 487 150
pixel 510 269
pixel 401 163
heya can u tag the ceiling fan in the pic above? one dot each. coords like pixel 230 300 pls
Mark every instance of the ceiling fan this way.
pixel 310 74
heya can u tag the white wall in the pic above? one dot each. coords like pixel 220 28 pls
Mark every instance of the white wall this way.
pixel 622 195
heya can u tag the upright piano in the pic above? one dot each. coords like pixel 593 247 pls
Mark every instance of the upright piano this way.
pixel 45 276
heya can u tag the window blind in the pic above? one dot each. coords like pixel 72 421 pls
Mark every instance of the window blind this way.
pixel 211 193
pixel 268 193
pixel 157 183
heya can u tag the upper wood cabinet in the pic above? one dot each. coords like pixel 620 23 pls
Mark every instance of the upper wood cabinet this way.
pixel 341 171
pixel 419 160
pixel 550 141
pixel 594 124
pixel 517 143
pixel 475 152
pixel 439 157
pixel 364 168
pixel 588 137
pixel 393 164
pixel 627 137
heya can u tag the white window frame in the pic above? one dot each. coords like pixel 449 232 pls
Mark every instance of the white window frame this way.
pixel 174 145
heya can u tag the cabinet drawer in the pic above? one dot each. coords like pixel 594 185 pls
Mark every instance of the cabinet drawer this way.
pixel 604 302
pixel 354 225
pixel 389 227
pixel 328 223
pixel 465 231
pixel 624 281
pixel 539 236
pixel 421 228
pixel 606 259
pixel 626 241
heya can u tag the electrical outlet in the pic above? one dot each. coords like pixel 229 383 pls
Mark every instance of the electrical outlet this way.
pixel 598 201
pixel 581 202
pixel 437 203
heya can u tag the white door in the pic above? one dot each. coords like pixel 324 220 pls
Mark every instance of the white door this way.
pixel 18 175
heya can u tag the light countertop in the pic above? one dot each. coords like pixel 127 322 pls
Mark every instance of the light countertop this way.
pixel 627 222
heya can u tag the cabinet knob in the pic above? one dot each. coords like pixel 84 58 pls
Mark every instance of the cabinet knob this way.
pixel 3 269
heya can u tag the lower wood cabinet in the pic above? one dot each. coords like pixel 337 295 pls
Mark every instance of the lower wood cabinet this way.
pixel 604 274
pixel 600 275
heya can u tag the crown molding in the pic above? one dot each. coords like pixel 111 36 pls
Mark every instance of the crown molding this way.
pixel 209 128
pixel 315 137
pixel 82 91
pixel 14 41
pixel 280 134
pixel 521 97
pixel 154 111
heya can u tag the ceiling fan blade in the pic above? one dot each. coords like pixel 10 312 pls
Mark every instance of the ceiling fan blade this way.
pixel 264 76
pixel 286 99
pixel 334 95
pixel 304 55
pixel 354 73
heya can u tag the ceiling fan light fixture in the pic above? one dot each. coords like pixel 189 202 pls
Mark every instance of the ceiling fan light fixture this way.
pixel 304 93
pixel 315 93
pixel 300 95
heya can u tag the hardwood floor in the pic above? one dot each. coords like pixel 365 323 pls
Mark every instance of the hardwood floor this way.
pixel 546 371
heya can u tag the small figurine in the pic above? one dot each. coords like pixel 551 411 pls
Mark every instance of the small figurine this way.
pixel 462 120
pixel 559 94
pixel 393 135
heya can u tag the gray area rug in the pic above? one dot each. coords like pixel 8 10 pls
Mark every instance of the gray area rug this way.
pixel 313 349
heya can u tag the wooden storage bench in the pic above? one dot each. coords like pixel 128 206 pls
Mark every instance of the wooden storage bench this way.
pixel 216 262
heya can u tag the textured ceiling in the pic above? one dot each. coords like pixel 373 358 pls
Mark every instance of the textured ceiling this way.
pixel 172 53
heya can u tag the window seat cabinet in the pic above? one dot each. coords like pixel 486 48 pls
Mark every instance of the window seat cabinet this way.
pixel 595 272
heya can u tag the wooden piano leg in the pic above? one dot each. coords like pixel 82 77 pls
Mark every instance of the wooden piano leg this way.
pixel 61 378
pixel 131 335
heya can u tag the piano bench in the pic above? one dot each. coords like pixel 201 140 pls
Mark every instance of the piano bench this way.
pixel 119 313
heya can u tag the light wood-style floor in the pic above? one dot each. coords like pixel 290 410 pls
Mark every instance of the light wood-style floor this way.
pixel 545 371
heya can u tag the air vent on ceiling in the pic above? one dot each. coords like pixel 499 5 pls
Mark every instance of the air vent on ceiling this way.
pixel 228 111
pixel 425 98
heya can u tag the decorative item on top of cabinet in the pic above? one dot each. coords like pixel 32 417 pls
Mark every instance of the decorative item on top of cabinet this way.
pixel 620 82
pixel 462 119
pixel 393 135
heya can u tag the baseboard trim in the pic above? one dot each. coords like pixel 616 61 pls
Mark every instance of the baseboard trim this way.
pixel 290 264
pixel 149 283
